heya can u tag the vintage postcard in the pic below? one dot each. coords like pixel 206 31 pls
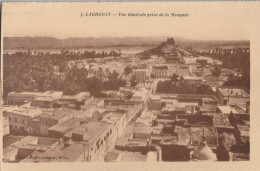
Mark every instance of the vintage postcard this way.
pixel 168 84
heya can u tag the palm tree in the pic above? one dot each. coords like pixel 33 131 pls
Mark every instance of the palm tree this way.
pixel 101 75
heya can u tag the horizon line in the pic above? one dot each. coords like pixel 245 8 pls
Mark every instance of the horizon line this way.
pixel 97 37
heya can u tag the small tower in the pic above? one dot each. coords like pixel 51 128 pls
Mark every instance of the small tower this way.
pixel 170 41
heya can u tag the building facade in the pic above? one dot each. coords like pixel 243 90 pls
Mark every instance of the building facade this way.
pixel 160 71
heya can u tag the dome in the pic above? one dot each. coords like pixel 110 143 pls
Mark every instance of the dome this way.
pixel 203 152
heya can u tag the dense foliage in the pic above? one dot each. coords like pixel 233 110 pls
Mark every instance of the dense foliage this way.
pixel 169 87
pixel 128 70
pixel 236 58
pixel 27 71
pixel 216 71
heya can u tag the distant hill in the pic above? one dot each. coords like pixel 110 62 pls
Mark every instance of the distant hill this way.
pixel 10 43
pixel 24 43
pixel 14 43
pixel 168 49
pixel 212 44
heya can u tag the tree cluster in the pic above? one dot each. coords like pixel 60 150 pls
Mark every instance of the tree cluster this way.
pixel 27 71
pixel 236 58
pixel 169 87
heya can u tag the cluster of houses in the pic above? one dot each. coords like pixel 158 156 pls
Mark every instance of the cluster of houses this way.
pixel 75 128
pixel 135 123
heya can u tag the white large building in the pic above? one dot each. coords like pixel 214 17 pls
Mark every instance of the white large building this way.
pixel 160 71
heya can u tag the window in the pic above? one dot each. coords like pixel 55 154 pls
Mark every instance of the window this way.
pixel 97 144
pixel 10 118
pixel 196 142
pixel 15 119
pixel 22 128
pixel 46 103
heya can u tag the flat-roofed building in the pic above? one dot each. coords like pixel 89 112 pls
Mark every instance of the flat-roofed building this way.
pixel 189 60
pixel 239 118
pixel 6 127
pixel 232 96
pixel 191 80
pixel 155 103
pixel 242 133
pixel 204 60
pixel 226 109
pixel 87 142
pixel 82 96
pixel 221 122
pixel 140 75
pixel 92 105
pixel 23 119
pixel 211 80
pixel 119 121
pixel 19 98
pixel 209 133
pixel 51 118
pixel 96 103
pixel 141 95
pixel 160 71
pixel 91 141
pixel 14 98
pixel 58 130
pixel 28 147
pixel 44 102
pixel 128 156
pixel 142 132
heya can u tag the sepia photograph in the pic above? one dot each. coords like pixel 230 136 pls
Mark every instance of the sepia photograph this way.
pixel 115 82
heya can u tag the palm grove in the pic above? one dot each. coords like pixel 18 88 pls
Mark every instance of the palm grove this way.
pixel 27 71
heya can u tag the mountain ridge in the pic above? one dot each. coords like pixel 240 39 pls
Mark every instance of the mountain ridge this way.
pixel 46 42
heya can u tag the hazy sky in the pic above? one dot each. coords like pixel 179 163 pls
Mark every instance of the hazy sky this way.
pixel 62 20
